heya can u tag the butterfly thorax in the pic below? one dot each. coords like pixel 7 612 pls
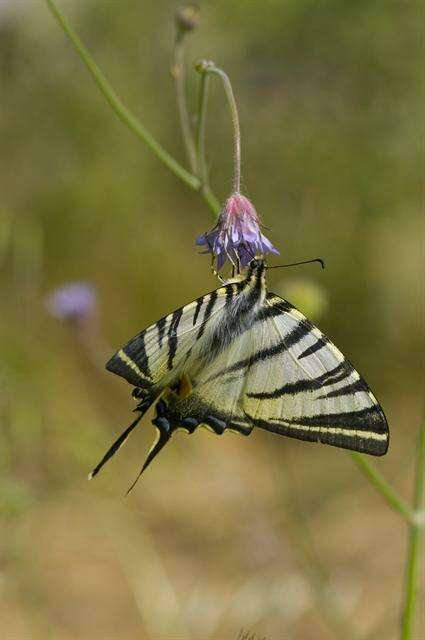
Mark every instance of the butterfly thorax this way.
pixel 244 299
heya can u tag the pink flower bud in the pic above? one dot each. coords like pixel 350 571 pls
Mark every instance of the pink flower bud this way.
pixel 236 236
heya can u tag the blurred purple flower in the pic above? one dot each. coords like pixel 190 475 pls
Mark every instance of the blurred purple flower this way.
pixel 237 235
pixel 74 302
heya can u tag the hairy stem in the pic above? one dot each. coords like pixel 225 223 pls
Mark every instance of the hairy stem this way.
pixel 120 109
pixel 411 588
pixel 381 485
pixel 178 72
pixel 206 67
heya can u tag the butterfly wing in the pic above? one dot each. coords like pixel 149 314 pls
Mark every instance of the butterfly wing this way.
pixel 153 358
pixel 238 358
pixel 300 385
pixel 215 398
pixel 283 375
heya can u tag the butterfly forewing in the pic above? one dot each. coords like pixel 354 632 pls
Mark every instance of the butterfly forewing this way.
pixel 155 354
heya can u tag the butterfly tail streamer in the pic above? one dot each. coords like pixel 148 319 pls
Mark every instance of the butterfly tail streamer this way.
pixel 142 408
pixel 163 436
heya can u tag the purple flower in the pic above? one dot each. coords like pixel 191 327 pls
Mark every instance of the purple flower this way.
pixel 236 236
pixel 74 302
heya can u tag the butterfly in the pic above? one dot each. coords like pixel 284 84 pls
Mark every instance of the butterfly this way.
pixel 241 357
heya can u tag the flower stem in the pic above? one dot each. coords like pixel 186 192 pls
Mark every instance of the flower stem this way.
pixel 381 485
pixel 206 67
pixel 178 73
pixel 120 109
pixel 200 146
pixel 415 543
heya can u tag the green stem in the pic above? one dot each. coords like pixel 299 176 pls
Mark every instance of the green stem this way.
pixel 206 67
pixel 200 146
pixel 415 543
pixel 120 109
pixel 178 73
pixel 381 485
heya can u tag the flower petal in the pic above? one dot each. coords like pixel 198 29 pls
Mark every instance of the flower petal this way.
pixel 237 235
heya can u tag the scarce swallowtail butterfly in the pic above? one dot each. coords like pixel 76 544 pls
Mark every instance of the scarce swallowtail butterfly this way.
pixel 241 357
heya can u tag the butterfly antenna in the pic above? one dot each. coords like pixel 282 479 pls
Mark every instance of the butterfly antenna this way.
pixel 294 264
pixel 163 436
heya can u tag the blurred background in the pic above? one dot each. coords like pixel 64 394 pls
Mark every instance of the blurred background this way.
pixel 273 536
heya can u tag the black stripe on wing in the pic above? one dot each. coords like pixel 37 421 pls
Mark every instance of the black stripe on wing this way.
pixel 199 303
pixel 302 329
pixel 365 430
pixel 363 419
pixel 349 389
pixel 337 374
pixel 123 365
pixel 319 344
pixel 172 337
pixel 160 327
pixel 208 311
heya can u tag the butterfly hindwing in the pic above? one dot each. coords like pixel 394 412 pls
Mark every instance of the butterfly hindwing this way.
pixel 215 398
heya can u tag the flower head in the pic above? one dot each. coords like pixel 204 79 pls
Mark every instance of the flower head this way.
pixel 236 236
pixel 74 302
pixel 187 17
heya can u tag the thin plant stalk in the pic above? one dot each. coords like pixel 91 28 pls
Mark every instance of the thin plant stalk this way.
pixel 120 109
pixel 381 485
pixel 206 67
pixel 414 553
pixel 178 73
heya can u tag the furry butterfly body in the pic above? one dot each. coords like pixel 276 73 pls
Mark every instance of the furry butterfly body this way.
pixel 240 357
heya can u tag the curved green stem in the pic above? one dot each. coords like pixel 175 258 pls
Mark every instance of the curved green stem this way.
pixel 178 72
pixel 415 543
pixel 381 485
pixel 120 109
pixel 206 67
